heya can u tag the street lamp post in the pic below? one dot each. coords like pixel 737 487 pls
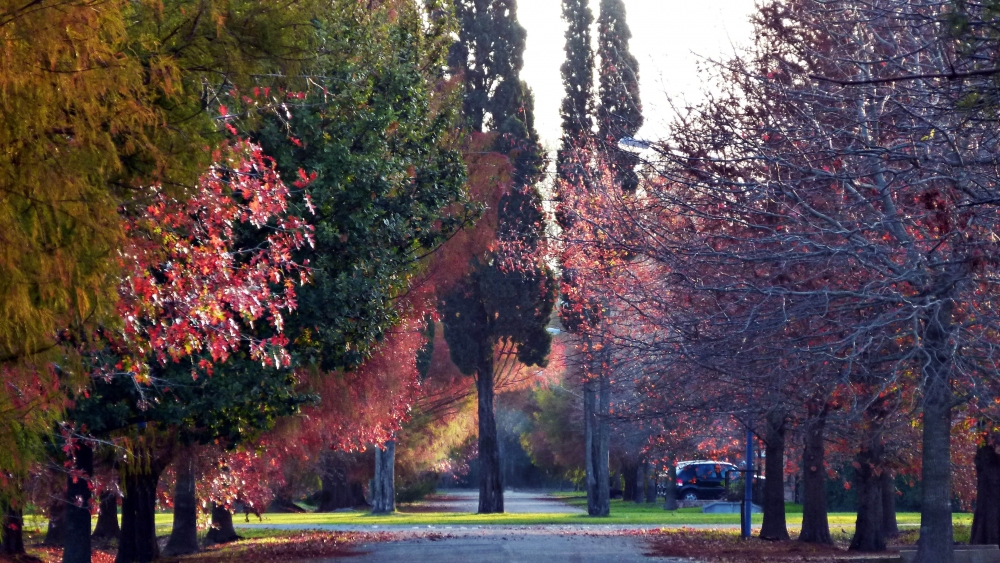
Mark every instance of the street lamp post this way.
pixel 745 525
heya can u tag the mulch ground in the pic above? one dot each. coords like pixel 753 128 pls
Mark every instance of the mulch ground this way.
pixel 724 546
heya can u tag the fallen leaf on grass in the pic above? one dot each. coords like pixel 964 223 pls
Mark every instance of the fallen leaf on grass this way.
pixel 723 546
pixel 44 554
pixel 299 546
pixel 285 547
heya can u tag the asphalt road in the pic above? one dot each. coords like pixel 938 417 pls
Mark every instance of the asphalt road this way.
pixel 511 545
pixel 507 544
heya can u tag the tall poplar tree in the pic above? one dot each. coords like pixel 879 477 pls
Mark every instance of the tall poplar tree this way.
pixel 506 300
pixel 619 113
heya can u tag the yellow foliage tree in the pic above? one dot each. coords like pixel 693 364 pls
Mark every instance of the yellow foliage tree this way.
pixel 98 99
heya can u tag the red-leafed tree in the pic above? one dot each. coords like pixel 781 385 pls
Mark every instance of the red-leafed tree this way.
pixel 201 273
pixel 189 290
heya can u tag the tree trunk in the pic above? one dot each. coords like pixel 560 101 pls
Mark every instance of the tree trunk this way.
pixel 138 537
pixel 184 534
pixel 629 473
pixel 603 436
pixel 490 480
pixel 589 445
pixel 650 482
pixel 640 483
pixel 986 521
pixel 670 494
pixel 868 529
pixel 76 521
pixel 222 530
pixel 13 531
pixel 890 528
pixel 596 429
pixel 773 527
pixel 57 515
pixel 815 524
pixel 936 534
pixel 107 518
pixel 384 485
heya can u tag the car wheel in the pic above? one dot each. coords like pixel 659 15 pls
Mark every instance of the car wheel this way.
pixel 690 495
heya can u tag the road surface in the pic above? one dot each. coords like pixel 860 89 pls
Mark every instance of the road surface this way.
pixel 519 544
pixel 514 502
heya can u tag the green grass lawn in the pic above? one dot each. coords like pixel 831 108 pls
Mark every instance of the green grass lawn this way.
pixel 621 513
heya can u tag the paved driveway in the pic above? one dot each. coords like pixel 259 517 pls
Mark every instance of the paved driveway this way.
pixel 464 500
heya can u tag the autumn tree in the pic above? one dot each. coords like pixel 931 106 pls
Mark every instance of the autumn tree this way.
pixel 58 219
pixel 495 312
pixel 618 114
pixel 574 167
pixel 101 100
pixel 441 405
pixel 818 186
pixel 107 120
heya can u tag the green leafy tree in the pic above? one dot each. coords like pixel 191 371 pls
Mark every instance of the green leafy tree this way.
pixel 387 189
pixel 490 54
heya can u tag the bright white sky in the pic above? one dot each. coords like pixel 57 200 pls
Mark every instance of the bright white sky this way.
pixel 669 37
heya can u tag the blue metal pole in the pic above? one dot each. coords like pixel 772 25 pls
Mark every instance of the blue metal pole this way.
pixel 746 525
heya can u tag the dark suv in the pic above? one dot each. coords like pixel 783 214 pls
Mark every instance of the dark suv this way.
pixel 704 479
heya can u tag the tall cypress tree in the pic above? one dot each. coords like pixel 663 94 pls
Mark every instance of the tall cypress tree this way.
pixel 490 54
pixel 620 111
pixel 577 109
pixel 573 168
pixel 499 304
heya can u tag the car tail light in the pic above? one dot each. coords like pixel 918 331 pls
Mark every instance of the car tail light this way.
pixel 680 482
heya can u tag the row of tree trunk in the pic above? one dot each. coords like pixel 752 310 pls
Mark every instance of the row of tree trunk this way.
pixel 69 521
pixel 873 481
pixel 640 482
